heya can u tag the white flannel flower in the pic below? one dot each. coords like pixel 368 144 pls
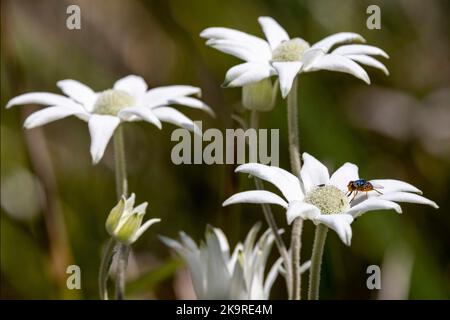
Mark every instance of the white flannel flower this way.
pixel 128 100
pixel 285 57
pixel 325 200
pixel 124 222
pixel 216 275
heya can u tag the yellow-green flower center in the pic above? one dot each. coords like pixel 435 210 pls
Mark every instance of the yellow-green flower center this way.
pixel 329 199
pixel 290 50
pixel 111 101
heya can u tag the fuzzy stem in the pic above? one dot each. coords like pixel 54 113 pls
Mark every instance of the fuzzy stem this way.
pixel 268 215
pixel 296 165
pixel 292 119
pixel 120 164
pixel 112 246
pixel 122 190
pixel 316 261
pixel 105 264
pixel 296 244
pixel 122 262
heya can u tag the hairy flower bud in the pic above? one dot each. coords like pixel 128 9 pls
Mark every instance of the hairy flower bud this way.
pixel 259 96
pixel 124 220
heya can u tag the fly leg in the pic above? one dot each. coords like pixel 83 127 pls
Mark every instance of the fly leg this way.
pixel 356 192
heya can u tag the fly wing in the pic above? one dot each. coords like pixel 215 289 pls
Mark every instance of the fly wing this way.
pixel 376 185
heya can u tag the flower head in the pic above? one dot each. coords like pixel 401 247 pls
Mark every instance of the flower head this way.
pixel 217 275
pixel 128 100
pixel 124 222
pixel 286 57
pixel 323 198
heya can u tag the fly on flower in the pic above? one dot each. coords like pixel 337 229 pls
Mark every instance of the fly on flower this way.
pixel 361 185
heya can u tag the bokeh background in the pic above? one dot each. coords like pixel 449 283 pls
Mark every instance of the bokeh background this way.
pixel 54 202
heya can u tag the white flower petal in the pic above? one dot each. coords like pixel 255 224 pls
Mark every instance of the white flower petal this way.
pixel 255 196
pixel 78 92
pixel 369 61
pixel 143 113
pixel 313 172
pixel 216 263
pixel 285 181
pixel 275 34
pixel 140 209
pixel 51 114
pixel 342 176
pixel 287 71
pixel 239 36
pixel 172 244
pixel 101 129
pixel 129 204
pixel 44 98
pixel 192 103
pixel 173 116
pixel 161 95
pixel 340 223
pixel 247 73
pixel 305 266
pixel 221 239
pixel 407 197
pixel 242 50
pixel 133 85
pixel 301 209
pixel 237 51
pixel 360 49
pixel 373 204
pixel 250 239
pixel 191 254
pixel 334 62
pixel 271 277
pixel 310 56
pixel 144 227
pixel 338 38
pixel 391 185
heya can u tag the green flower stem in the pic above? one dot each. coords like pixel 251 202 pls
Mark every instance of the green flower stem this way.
pixel 254 123
pixel 292 118
pixel 105 264
pixel 120 163
pixel 296 245
pixel 122 262
pixel 316 261
pixel 296 165
pixel 122 190
pixel 113 247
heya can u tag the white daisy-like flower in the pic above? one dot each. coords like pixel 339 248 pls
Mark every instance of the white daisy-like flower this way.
pixel 216 275
pixel 128 100
pixel 325 198
pixel 286 57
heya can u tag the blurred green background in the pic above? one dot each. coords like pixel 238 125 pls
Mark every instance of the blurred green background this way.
pixel 54 202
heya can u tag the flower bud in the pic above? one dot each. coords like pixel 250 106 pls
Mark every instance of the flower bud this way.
pixel 124 221
pixel 114 216
pixel 259 96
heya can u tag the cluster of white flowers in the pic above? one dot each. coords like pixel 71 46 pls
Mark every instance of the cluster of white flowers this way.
pixel 218 275
pixel 333 201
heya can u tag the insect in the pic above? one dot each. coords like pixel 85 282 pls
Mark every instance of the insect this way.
pixel 361 185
